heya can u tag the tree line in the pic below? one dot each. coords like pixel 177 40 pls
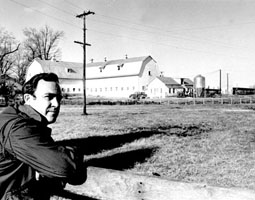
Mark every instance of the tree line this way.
pixel 15 56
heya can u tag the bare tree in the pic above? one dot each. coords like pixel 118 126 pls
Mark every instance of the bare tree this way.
pixel 8 46
pixel 43 43
pixel 20 67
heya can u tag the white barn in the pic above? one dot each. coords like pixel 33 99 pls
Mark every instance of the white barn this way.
pixel 113 78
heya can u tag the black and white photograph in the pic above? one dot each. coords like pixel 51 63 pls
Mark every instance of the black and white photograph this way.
pixel 127 99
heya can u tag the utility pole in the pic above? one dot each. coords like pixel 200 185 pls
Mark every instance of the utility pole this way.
pixel 227 84
pixel 220 81
pixel 83 16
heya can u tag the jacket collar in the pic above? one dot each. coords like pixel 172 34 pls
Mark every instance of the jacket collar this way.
pixel 32 113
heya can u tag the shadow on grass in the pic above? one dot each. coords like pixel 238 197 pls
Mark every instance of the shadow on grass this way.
pixel 123 160
pixel 118 161
pixel 96 144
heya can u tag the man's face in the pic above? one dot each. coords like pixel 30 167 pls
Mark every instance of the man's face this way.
pixel 46 100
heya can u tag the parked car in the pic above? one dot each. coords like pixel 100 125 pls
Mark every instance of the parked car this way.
pixel 138 95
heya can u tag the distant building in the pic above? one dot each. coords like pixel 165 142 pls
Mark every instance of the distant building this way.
pixel 187 84
pixel 162 87
pixel 113 78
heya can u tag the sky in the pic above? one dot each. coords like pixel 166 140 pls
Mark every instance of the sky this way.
pixel 185 37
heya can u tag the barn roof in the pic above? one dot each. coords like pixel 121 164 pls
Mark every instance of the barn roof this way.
pixel 73 70
pixel 187 81
pixel 168 81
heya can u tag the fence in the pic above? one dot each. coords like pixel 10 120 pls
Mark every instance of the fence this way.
pixel 168 101
pixel 106 184
pixel 196 101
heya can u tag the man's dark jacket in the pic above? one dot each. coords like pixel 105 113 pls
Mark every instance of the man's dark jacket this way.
pixel 26 147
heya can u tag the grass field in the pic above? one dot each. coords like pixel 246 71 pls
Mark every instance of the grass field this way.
pixel 204 144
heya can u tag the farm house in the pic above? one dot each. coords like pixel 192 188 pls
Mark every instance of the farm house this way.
pixel 113 78
pixel 162 87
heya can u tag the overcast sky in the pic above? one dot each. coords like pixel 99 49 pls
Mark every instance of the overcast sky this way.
pixel 185 37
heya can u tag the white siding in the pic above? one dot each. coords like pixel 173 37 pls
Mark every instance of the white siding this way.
pixel 112 87
pixel 157 89
pixel 71 86
pixel 149 73
pixel 36 69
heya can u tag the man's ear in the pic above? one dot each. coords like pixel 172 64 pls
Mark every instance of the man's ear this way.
pixel 27 98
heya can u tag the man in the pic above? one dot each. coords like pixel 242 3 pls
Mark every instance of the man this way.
pixel 27 148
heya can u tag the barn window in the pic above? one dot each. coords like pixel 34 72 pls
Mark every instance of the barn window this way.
pixel 69 70
pixel 73 89
pixel 120 65
pixel 149 73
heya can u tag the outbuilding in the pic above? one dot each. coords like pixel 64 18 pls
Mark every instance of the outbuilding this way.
pixel 162 87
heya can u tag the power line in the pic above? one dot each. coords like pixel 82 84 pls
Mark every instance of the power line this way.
pixel 171 36
pixel 57 8
pixel 21 4
pixel 115 35
pixel 174 30
pixel 197 39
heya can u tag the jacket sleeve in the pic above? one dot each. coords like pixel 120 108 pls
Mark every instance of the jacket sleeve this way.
pixel 34 146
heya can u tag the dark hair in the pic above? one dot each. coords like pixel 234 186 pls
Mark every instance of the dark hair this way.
pixel 30 86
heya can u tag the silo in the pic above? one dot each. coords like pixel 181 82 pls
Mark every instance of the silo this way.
pixel 199 85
